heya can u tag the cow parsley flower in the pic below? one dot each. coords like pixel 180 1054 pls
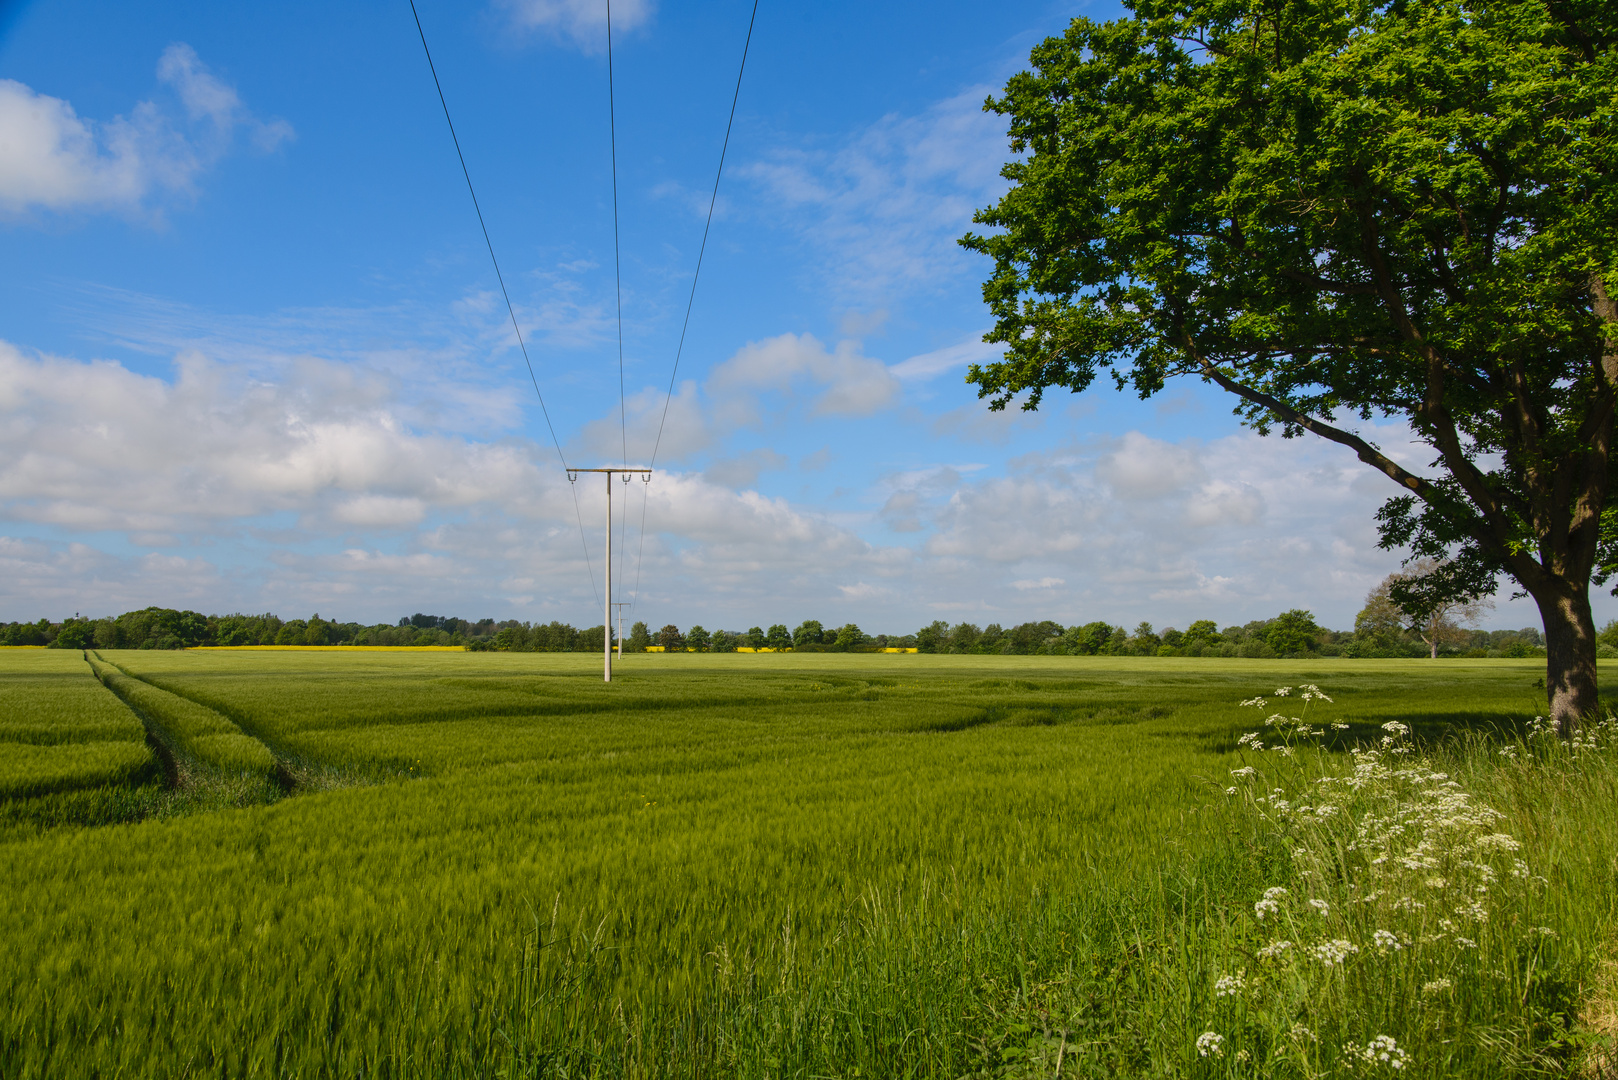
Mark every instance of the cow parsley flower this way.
pixel 1271 902
pixel 1381 1050
pixel 1334 952
pixel 1210 1044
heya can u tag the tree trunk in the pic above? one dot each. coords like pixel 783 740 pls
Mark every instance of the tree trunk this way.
pixel 1570 661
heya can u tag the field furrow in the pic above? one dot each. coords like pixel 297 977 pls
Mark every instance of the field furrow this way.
pixel 194 735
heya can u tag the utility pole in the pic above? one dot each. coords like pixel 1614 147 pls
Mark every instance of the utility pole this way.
pixel 620 605
pixel 606 616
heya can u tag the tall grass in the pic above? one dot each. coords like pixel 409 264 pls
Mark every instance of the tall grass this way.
pixel 826 866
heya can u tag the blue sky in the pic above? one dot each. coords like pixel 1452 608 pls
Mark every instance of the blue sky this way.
pixel 253 355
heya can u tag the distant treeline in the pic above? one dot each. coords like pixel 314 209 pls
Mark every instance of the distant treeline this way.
pixel 165 628
pixel 1292 633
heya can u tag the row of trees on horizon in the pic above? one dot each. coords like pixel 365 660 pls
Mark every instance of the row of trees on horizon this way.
pixel 1379 631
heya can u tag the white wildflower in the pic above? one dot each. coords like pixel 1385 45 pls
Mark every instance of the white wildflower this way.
pixel 1437 986
pixel 1274 949
pixel 1320 906
pixel 1381 1050
pixel 1271 903
pixel 1333 952
pixel 1244 771
pixel 1283 691
pixel 1231 985
pixel 1386 940
pixel 1230 791
pixel 1210 1044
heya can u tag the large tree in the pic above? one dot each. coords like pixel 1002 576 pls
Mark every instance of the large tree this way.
pixel 1344 212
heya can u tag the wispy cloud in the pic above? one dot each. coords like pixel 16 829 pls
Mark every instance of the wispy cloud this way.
pixel 885 208
pixel 932 364
pixel 581 22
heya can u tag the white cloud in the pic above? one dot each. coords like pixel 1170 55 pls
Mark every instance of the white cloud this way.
pixel 1147 468
pixel 312 494
pixel 96 446
pixel 38 578
pixel 1026 585
pixel 214 459
pixel 1221 502
pixel 853 384
pixel 53 159
pixel 683 430
pixel 379 510
pixel 584 22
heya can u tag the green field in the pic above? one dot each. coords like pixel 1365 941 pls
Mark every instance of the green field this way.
pixel 491 864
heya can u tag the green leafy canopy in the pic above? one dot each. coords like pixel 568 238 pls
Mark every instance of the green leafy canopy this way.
pixel 1341 212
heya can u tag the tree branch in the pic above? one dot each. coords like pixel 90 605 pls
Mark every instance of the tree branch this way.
pixel 1496 540
pixel 1343 288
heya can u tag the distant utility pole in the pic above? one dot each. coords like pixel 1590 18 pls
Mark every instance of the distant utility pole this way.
pixel 620 605
pixel 606 617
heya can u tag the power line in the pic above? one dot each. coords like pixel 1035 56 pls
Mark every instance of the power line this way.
pixel 510 310
pixel 712 201
pixel 617 265
pixel 692 299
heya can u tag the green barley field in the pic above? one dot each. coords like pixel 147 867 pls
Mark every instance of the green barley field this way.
pixel 345 863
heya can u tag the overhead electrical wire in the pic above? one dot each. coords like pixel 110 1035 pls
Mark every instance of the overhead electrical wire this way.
pixel 510 310
pixel 618 284
pixel 701 251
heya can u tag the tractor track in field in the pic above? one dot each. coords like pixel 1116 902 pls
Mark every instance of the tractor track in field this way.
pixel 295 772
pixel 183 771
